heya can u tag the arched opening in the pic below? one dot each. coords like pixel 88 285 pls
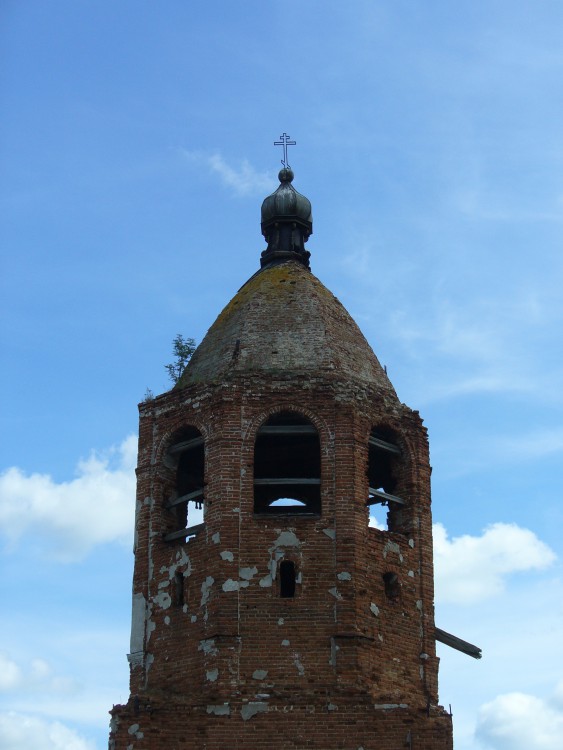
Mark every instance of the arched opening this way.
pixel 384 474
pixel 287 466
pixel 287 579
pixel 392 585
pixel 187 455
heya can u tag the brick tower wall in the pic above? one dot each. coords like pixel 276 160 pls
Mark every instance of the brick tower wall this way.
pixel 233 665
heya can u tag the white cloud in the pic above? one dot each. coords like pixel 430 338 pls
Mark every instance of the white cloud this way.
pixel 518 721
pixel 72 517
pixel 10 673
pixel 242 179
pixel 37 678
pixel 375 524
pixel 22 732
pixel 473 568
pixel 531 445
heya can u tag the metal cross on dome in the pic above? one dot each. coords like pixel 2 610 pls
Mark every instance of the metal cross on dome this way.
pixel 285 142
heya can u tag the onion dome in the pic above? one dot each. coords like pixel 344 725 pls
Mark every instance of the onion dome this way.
pixel 287 222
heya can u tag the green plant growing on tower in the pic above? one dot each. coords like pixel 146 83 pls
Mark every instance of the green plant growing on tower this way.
pixel 182 348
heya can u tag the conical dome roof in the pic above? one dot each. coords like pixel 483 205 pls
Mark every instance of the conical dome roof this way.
pixel 285 321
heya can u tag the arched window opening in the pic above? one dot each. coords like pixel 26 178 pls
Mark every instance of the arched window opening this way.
pixel 287 466
pixel 287 579
pixel 187 455
pixel 392 586
pixel 384 465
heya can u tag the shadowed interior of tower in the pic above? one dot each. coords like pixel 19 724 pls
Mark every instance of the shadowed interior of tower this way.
pixel 287 466
pixel 186 456
pixel 385 465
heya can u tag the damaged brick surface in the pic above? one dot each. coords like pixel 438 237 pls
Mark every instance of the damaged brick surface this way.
pixel 348 658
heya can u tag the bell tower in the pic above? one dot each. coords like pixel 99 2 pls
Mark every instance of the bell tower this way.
pixel 283 620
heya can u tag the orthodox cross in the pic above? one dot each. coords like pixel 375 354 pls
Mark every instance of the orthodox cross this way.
pixel 285 142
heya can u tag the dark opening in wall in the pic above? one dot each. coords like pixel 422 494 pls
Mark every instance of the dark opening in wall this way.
pixel 287 579
pixel 392 585
pixel 287 466
pixel 179 589
pixel 385 464
pixel 187 456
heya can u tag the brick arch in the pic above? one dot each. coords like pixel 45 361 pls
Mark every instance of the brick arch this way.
pixel 249 437
pixel 180 424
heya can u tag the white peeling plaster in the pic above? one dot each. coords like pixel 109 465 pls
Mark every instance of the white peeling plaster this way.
pixel 136 660
pixel 182 560
pixel 253 708
pixel 411 573
pixel 281 621
pixel 411 543
pixel 163 599
pixel 259 674
pixel 285 642
pixel 380 637
pixel 287 539
pixel 374 609
pixel 299 577
pixel 424 656
pixel 248 573
pixel 212 674
pixel 194 617
pixel 151 627
pixel 335 592
pixel 216 538
pixel 208 647
pixel 265 582
pixel 344 576
pixel 205 589
pixel 223 709
pixel 227 555
pixel 389 706
pixel 138 615
pixel 331 533
pixel 419 604
pixel 236 510
pixel 164 584
pixel 332 707
pixel 392 547
pixel 134 730
pixel 231 585
pixel 297 662
pixel 167 620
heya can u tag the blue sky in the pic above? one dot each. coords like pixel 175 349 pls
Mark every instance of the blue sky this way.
pixel 136 148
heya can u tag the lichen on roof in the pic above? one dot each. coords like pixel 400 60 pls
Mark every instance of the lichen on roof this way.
pixel 284 320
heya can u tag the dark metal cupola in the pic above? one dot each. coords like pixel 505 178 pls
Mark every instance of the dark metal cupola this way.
pixel 287 223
